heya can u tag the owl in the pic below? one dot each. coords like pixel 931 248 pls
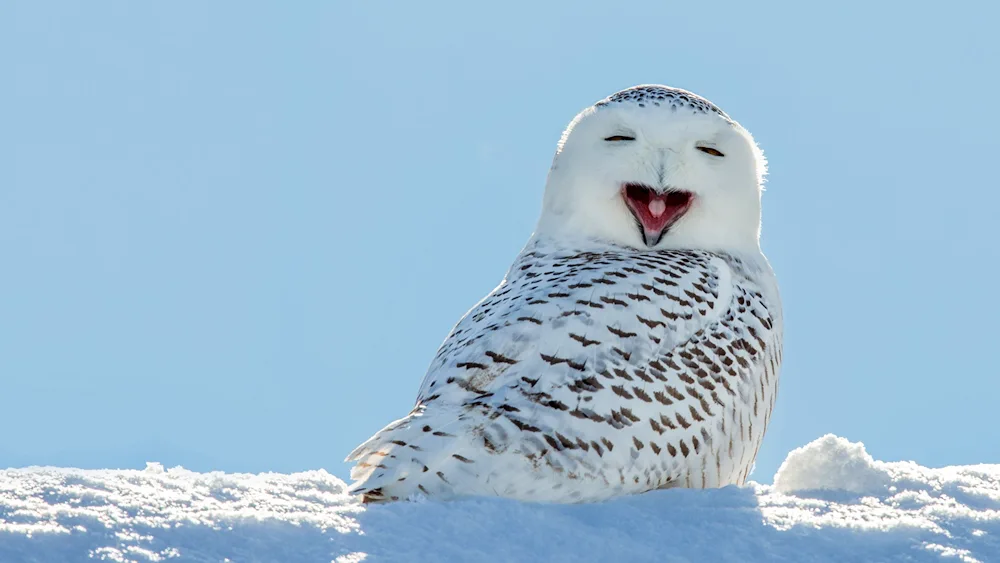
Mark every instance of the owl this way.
pixel 633 345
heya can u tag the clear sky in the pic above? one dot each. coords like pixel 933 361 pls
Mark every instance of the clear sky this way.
pixel 233 234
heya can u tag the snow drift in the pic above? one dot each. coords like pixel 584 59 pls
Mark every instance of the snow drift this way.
pixel 830 502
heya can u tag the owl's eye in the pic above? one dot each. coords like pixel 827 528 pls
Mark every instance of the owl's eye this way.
pixel 616 138
pixel 710 150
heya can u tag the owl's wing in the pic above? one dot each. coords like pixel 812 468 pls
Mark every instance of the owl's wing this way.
pixel 592 365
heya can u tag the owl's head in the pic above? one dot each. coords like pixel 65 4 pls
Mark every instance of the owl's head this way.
pixel 656 167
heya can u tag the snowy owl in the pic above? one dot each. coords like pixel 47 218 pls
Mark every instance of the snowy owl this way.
pixel 635 342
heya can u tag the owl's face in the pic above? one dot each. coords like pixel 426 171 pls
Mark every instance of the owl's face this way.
pixel 654 171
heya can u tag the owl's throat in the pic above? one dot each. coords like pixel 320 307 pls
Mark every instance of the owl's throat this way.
pixel 655 211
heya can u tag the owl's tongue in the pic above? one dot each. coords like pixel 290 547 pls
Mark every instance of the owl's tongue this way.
pixel 657 207
pixel 655 211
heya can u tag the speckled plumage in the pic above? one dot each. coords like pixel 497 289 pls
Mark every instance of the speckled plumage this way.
pixel 601 366
pixel 659 96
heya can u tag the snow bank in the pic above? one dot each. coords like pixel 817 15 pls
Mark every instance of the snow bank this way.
pixel 831 502
pixel 833 463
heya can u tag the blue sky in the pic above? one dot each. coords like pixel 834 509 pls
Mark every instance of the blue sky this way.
pixel 233 234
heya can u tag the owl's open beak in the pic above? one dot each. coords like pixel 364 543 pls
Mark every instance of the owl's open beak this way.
pixel 654 211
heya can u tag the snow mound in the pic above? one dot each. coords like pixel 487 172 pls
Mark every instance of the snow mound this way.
pixel 831 502
pixel 829 463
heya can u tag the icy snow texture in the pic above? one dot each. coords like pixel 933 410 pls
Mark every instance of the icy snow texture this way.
pixel 832 463
pixel 831 502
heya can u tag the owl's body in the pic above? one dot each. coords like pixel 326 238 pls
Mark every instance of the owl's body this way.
pixel 613 358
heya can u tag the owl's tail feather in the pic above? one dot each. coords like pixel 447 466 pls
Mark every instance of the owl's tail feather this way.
pixel 428 452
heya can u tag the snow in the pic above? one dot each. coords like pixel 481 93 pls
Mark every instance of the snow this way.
pixel 832 463
pixel 830 502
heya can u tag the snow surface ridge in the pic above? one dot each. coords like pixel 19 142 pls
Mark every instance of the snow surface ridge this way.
pixel 830 502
